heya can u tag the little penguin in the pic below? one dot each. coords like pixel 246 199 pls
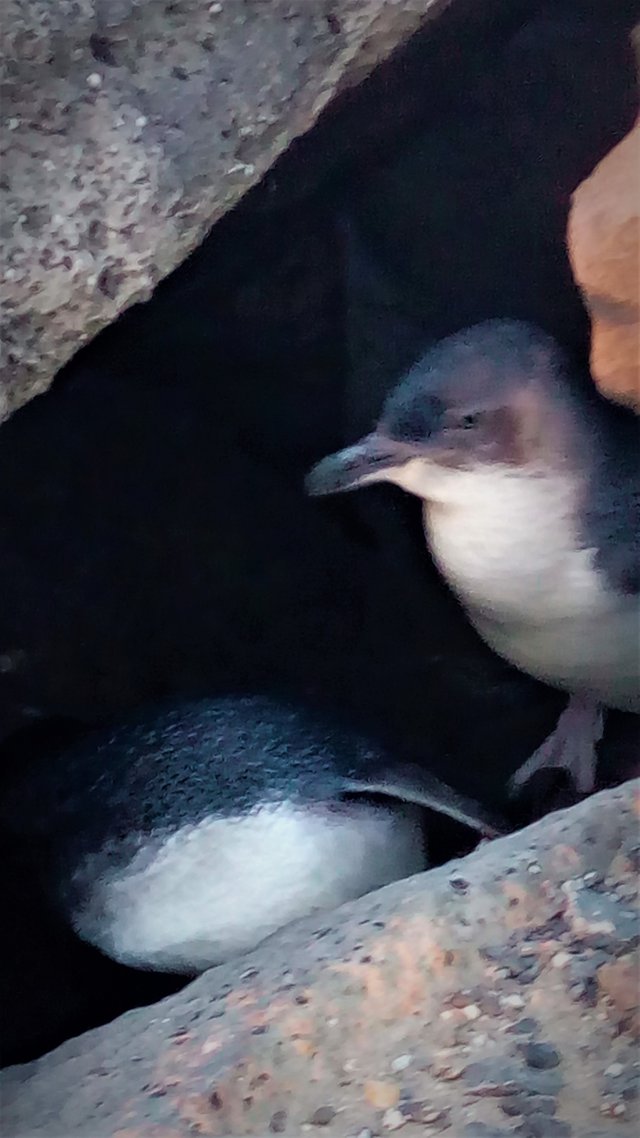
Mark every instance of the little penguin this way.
pixel 186 836
pixel 530 487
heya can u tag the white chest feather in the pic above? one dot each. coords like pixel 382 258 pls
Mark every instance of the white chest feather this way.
pixel 507 544
pixel 218 888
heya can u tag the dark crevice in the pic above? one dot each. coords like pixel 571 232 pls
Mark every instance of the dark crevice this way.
pixel 155 538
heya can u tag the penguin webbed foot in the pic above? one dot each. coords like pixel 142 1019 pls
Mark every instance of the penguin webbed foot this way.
pixel 571 747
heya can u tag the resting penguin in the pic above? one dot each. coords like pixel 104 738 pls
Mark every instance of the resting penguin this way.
pixel 188 836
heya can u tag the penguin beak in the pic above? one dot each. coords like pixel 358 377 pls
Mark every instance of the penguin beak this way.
pixel 370 460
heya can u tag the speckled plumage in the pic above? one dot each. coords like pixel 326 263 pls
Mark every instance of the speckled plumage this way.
pixel 191 833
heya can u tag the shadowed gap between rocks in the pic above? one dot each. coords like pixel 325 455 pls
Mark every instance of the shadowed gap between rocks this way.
pixel 156 540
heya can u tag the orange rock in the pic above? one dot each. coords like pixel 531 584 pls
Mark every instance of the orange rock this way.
pixel 604 248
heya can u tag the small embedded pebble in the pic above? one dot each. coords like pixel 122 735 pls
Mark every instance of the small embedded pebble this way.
pixel 512 1001
pixel 401 1063
pixel 512 1106
pixel 525 1026
pixel 614 1070
pixel 471 1012
pixel 493 1090
pixel 447 1072
pixel 278 1122
pixel 541 1056
pixel 461 999
pixel 322 1116
pixel 490 1004
pixel 430 1117
pixel 613 1109
pixel 561 959
pixel 393 1119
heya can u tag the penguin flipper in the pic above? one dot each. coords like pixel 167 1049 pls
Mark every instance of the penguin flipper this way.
pixel 410 783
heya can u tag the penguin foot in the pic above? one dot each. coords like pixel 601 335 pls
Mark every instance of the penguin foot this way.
pixel 571 747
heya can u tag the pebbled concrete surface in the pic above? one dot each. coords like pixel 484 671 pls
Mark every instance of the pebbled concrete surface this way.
pixel 130 127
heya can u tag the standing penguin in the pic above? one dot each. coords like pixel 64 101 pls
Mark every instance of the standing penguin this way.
pixel 530 484
pixel 183 838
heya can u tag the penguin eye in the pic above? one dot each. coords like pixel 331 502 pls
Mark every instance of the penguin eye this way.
pixel 470 420
pixel 467 422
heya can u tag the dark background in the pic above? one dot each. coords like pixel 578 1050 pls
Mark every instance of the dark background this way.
pixel 155 539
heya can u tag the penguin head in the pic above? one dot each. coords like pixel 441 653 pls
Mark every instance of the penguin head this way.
pixel 486 397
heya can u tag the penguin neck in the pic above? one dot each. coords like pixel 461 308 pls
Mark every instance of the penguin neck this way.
pixel 507 539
